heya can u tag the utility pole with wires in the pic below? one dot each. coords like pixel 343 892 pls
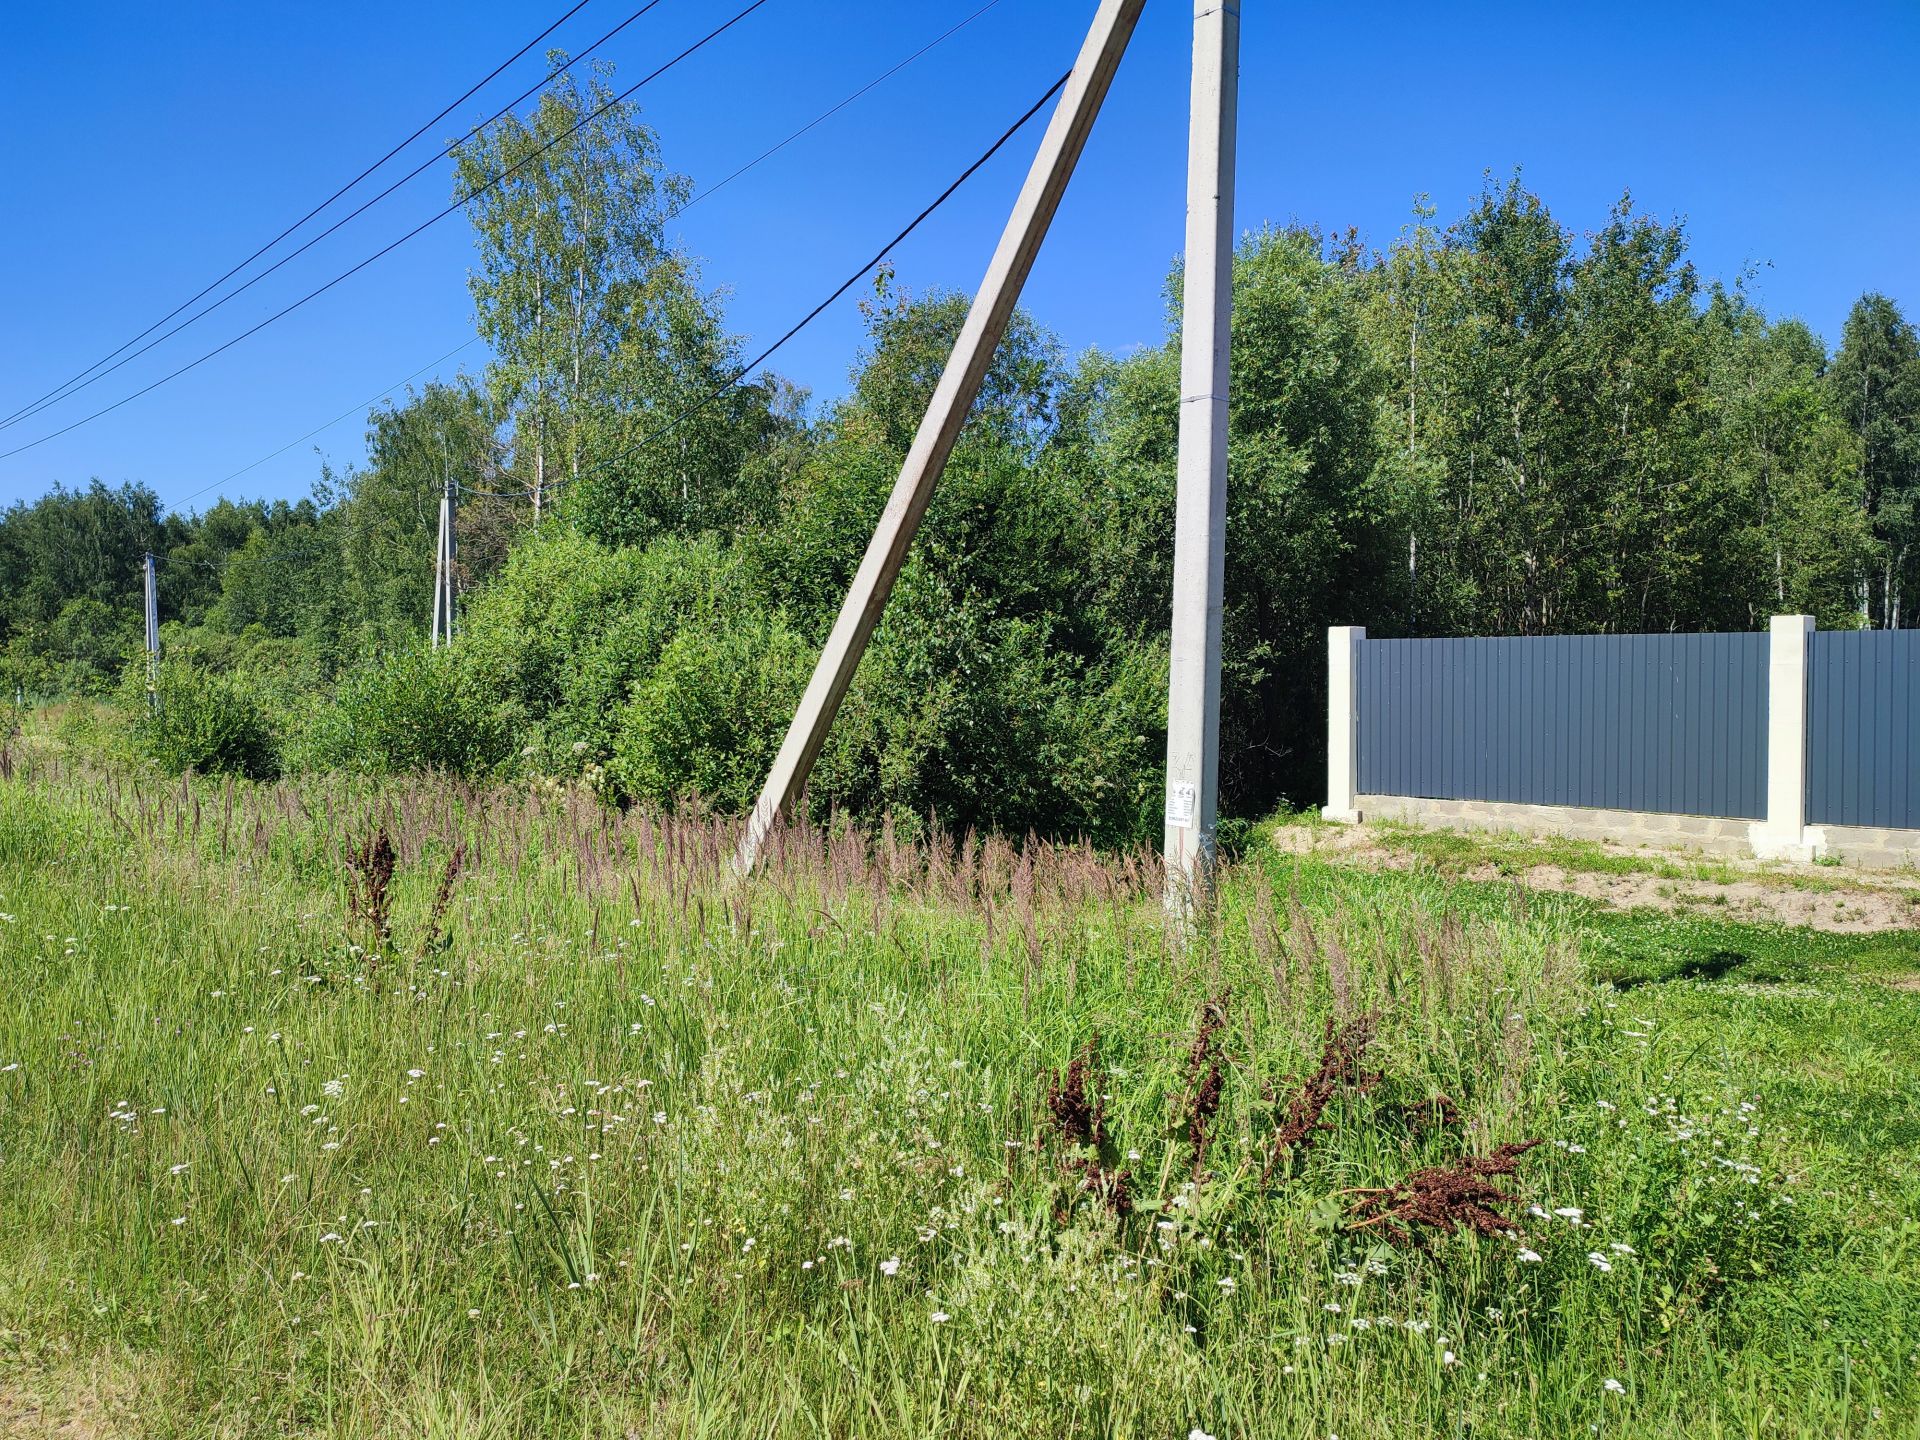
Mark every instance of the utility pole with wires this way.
pixel 953 397
pixel 443 586
pixel 1200 505
pixel 152 589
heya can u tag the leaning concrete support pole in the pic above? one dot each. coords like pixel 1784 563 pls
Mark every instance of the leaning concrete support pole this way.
pixel 1200 506
pixel 986 322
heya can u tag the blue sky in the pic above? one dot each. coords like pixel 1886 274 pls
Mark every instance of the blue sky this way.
pixel 150 147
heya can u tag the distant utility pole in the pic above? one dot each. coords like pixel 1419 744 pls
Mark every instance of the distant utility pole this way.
pixel 443 590
pixel 966 368
pixel 153 630
pixel 1200 507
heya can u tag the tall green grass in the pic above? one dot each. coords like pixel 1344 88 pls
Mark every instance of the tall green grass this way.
pixel 625 1147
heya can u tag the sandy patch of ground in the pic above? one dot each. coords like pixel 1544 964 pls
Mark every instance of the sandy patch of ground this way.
pixel 1860 902
pixel 1842 911
pixel 25 1415
pixel 69 1401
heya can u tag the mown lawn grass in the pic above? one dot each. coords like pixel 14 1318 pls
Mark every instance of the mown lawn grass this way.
pixel 623 1147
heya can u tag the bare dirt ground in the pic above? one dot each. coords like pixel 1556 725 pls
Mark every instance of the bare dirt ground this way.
pixel 26 1415
pixel 1637 877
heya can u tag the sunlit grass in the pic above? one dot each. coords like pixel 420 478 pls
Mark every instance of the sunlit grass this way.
pixel 640 1151
pixel 1510 853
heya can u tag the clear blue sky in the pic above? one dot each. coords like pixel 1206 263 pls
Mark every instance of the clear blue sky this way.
pixel 149 147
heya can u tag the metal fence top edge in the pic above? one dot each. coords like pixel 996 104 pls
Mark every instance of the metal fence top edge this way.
pixel 1760 635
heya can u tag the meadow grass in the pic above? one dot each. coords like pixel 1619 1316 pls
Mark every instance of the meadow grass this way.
pixel 617 1145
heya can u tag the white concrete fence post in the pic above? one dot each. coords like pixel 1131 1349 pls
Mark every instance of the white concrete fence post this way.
pixel 1785 834
pixel 1343 722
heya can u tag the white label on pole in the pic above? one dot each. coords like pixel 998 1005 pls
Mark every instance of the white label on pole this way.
pixel 1182 802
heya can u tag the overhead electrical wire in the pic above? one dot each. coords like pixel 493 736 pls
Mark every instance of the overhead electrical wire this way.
pixel 434 219
pixel 61 389
pixel 346 219
pixel 763 156
pixel 740 374
pixel 363 406
pixel 828 114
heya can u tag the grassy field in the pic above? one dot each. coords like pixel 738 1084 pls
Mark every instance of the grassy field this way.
pixel 579 1137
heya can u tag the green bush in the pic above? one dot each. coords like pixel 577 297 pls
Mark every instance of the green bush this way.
pixel 213 724
pixel 568 631
pixel 977 718
pixel 88 642
pixel 416 709
pixel 708 720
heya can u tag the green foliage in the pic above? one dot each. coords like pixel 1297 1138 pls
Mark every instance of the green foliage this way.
pixel 1496 426
pixel 72 545
pixel 199 721
pixel 1875 387
pixel 388 510
pixel 602 337
pixel 993 721
pixel 707 720
pixel 89 640
pixel 572 626
pixel 1573 442
pixel 412 710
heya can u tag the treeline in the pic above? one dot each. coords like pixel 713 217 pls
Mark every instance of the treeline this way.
pixel 1492 427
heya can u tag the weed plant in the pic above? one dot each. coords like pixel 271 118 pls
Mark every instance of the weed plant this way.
pixel 575 1133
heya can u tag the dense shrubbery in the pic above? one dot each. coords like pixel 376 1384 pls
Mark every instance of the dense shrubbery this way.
pixel 199 720
pixel 414 709
pixel 708 717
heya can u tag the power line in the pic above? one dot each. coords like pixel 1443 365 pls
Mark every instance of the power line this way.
pixel 763 156
pixel 344 220
pixel 738 375
pixel 394 245
pixel 828 114
pixel 56 393
pixel 366 404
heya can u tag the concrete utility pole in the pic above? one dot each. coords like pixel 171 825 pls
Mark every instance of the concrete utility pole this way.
pixel 986 322
pixel 1200 512
pixel 152 589
pixel 443 572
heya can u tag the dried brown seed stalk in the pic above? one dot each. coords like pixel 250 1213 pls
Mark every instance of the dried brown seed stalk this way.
pixel 1205 1078
pixel 1079 1109
pixel 1442 1197
pixel 1341 1064
pixel 370 867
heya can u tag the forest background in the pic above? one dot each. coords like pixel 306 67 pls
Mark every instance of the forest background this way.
pixel 1493 425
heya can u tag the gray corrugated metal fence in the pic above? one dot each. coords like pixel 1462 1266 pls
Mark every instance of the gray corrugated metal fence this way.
pixel 1863 728
pixel 1673 723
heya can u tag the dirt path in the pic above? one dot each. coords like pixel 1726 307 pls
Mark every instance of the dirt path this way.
pixel 1858 902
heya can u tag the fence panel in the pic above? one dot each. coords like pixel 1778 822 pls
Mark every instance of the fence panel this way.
pixel 1667 723
pixel 1863 728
